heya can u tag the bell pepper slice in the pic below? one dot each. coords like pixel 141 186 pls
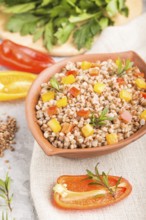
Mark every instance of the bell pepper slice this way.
pixel 75 192
pixel 17 57
pixel 15 84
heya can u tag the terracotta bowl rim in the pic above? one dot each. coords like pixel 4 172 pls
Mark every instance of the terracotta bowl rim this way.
pixel 48 148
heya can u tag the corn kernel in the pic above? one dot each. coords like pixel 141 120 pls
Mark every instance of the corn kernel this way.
pixel 112 138
pixel 87 130
pixel 140 83
pixel 54 125
pixel 68 79
pixel 99 87
pixel 62 102
pixel 86 65
pixel 48 96
pixel 143 115
pixel 125 95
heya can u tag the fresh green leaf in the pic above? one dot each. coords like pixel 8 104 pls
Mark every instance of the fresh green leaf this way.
pixel 45 2
pixel 54 83
pixel 48 36
pixel 103 23
pixel 64 32
pixel 22 8
pixel 38 34
pixel 123 66
pixel 112 8
pixel 80 18
pixel 53 17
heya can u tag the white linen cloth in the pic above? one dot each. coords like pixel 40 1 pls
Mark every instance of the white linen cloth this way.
pixel 128 162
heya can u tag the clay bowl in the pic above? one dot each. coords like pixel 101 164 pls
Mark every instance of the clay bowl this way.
pixel 33 96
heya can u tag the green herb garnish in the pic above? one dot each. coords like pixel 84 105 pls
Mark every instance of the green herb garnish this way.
pixel 56 21
pixel 102 180
pixel 5 216
pixel 5 191
pixel 101 120
pixel 54 83
pixel 123 66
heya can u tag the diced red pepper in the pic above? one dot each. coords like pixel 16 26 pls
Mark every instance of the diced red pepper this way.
pixel 126 116
pixel 18 57
pixel 139 74
pixel 74 91
pixel 121 81
pixel 94 72
pixel 66 128
pixel 52 110
pixel 71 72
pixel 83 113
pixel 143 94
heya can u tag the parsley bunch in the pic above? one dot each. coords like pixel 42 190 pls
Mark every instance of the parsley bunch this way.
pixel 57 20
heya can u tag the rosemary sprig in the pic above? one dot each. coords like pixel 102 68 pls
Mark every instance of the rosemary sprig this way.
pixel 123 66
pixel 54 83
pixel 102 180
pixel 101 120
pixel 5 216
pixel 5 191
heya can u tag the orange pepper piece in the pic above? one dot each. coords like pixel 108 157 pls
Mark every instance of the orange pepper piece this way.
pixel 74 91
pixel 83 113
pixel 52 110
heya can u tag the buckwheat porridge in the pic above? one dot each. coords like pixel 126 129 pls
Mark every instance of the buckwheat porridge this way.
pixel 92 104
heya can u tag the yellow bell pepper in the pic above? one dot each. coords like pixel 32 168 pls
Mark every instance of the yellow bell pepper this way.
pixel 125 95
pixel 68 79
pixel 85 65
pixel 140 83
pixel 87 130
pixel 112 138
pixel 143 115
pixel 99 87
pixel 54 125
pixel 62 102
pixel 48 96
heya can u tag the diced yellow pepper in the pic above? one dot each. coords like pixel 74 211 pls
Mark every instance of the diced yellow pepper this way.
pixel 62 102
pixel 87 130
pixel 85 65
pixel 143 115
pixel 112 138
pixel 99 87
pixel 68 79
pixel 140 83
pixel 125 95
pixel 54 125
pixel 48 96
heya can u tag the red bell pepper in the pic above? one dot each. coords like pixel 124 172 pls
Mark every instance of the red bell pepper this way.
pixel 21 58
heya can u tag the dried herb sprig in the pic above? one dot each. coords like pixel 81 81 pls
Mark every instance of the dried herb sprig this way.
pixel 102 180
pixel 5 216
pixel 101 120
pixel 54 83
pixel 5 192
pixel 123 66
